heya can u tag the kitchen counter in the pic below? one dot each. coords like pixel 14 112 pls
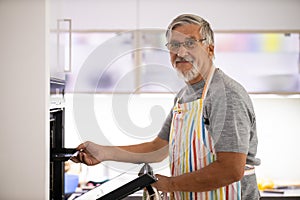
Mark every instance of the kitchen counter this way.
pixel 281 194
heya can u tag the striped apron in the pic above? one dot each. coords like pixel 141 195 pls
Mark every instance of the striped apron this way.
pixel 191 148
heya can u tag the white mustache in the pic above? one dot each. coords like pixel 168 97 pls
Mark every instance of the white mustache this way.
pixel 187 59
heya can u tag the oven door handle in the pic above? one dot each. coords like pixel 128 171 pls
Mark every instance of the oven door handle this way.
pixel 55 110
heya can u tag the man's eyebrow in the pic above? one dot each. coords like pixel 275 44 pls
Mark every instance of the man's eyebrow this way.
pixel 191 37
pixel 174 40
pixel 186 38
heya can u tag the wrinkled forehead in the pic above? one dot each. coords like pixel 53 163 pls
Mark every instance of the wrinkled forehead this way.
pixel 184 31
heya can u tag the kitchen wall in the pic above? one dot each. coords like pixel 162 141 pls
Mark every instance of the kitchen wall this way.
pixel 278 131
pixel 99 119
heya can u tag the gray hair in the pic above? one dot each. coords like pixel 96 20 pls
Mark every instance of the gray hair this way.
pixel 205 29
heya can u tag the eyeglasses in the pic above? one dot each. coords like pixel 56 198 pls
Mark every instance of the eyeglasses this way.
pixel 189 44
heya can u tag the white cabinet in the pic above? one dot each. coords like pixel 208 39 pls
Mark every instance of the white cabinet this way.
pixel 60 41
pixel 108 62
pixel 129 15
pixel 262 71
pixel 261 62
pixel 24 100
pixel 100 14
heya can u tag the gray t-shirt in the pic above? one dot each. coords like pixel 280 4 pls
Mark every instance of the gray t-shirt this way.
pixel 229 118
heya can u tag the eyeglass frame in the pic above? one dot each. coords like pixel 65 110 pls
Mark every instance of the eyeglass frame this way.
pixel 184 44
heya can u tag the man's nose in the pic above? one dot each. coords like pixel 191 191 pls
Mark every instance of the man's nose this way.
pixel 182 51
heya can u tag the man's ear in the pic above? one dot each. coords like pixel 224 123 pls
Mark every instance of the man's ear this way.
pixel 211 51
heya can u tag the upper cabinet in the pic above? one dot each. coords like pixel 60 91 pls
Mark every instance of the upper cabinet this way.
pixel 138 61
pixel 261 62
pixel 119 46
pixel 60 41
pixel 232 15
pixel 139 14
pixel 130 62
pixel 100 14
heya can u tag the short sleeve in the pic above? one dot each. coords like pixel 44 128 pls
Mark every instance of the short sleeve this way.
pixel 229 117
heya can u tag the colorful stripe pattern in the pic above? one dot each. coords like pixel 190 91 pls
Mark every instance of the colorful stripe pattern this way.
pixel 191 148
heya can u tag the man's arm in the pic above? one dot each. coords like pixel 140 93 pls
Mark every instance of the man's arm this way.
pixel 92 154
pixel 228 168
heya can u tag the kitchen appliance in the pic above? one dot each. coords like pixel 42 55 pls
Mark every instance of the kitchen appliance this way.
pixel 58 154
pixel 122 185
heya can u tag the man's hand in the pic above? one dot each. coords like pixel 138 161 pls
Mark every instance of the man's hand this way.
pixel 89 153
pixel 163 183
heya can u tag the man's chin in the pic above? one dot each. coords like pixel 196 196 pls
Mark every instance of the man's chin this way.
pixel 185 77
pixel 186 71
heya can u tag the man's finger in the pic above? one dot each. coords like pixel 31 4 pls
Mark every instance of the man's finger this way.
pixel 81 147
pixel 75 159
pixel 86 159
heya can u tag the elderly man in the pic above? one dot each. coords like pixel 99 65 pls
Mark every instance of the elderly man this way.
pixel 210 133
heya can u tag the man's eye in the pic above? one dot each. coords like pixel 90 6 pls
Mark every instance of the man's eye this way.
pixel 175 45
pixel 189 43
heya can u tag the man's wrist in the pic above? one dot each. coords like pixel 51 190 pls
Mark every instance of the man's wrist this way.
pixel 172 184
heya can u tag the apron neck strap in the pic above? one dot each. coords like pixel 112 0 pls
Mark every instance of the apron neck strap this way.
pixel 208 81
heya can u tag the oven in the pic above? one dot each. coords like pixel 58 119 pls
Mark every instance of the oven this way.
pixel 58 153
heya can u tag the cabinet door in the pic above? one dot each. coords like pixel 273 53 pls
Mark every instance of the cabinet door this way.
pixel 59 42
pixel 261 62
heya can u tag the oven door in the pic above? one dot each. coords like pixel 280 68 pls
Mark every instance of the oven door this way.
pixel 58 154
pixel 56 145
